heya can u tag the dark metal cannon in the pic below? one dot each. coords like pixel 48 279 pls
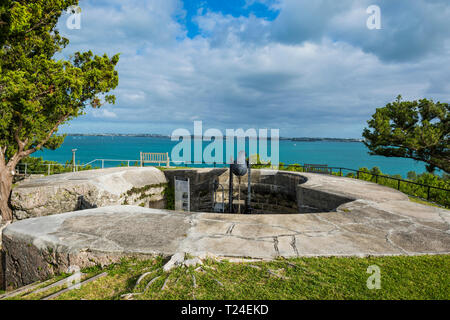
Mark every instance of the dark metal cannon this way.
pixel 239 168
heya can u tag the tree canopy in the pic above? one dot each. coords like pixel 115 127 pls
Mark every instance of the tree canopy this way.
pixel 419 130
pixel 38 91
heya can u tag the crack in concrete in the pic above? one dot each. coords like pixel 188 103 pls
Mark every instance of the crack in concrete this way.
pixel 445 220
pixel 222 236
pixel 392 244
pixel 409 218
pixel 320 218
pixel 230 229
pixel 306 234
pixel 294 245
pixel 413 222
pixel 253 224
pixel 275 246
pixel 94 238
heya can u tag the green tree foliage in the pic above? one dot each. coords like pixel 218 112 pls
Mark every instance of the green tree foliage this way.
pixel 38 92
pixel 419 130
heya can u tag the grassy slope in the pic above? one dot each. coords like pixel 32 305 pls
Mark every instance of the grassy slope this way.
pixel 423 277
pixel 421 201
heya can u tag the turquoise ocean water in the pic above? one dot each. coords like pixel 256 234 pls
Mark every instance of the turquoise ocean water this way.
pixel 352 155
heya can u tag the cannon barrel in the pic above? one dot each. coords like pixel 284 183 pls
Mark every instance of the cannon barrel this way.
pixel 239 170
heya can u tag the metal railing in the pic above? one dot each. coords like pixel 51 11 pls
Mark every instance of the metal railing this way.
pixel 377 178
pixel 103 161
pixel 429 192
pixel 357 174
pixel 24 168
pixel 48 168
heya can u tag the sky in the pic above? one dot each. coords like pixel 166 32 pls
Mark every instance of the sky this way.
pixel 308 68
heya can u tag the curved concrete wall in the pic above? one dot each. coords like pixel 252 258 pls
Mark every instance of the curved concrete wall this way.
pixel 273 192
pixel 88 189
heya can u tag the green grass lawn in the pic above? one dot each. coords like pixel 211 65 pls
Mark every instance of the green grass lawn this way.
pixel 421 277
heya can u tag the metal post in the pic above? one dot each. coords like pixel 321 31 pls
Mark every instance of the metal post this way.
pixel 48 171
pixel 398 185
pixel 103 163
pixel 128 163
pixel 340 172
pixel 357 174
pixel 26 165
pixel 74 167
pixel 230 196
pixel 223 198
pixel 428 193
pixel 249 190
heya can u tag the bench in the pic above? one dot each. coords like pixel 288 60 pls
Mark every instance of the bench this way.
pixel 317 168
pixel 149 157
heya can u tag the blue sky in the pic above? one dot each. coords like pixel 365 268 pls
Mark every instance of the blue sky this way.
pixel 308 68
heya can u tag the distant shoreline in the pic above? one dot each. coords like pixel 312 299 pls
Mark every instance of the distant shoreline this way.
pixel 145 135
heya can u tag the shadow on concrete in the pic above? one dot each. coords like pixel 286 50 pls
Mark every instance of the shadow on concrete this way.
pixel 83 204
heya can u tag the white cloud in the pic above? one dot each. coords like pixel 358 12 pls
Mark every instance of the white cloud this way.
pixel 103 114
pixel 242 71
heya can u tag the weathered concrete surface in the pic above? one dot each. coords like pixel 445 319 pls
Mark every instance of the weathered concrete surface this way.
pixel 40 247
pixel 88 189
pixel 350 188
pixel 379 221
pixel 326 193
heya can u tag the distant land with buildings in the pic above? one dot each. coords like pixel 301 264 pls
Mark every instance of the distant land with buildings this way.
pixel 152 135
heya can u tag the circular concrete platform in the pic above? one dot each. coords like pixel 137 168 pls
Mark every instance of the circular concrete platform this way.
pixel 374 220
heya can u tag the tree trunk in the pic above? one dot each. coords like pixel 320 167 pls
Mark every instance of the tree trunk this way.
pixel 6 180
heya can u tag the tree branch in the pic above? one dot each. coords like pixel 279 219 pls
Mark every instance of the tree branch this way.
pixel 20 143
pixel 2 156
pixel 20 154
pixel 58 123
pixel 44 93
pixel 41 22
